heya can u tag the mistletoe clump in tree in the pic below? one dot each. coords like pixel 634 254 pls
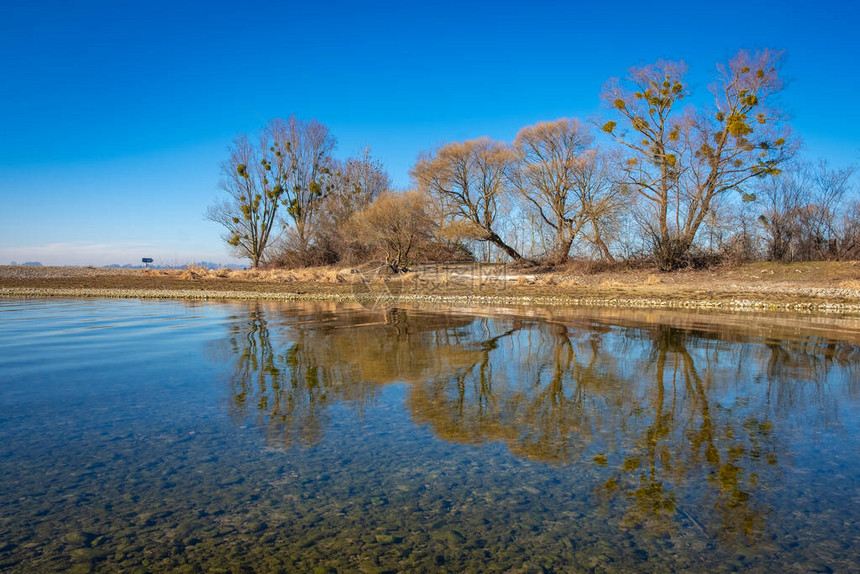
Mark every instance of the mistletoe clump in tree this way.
pixel 279 181
pixel 248 213
pixel 681 160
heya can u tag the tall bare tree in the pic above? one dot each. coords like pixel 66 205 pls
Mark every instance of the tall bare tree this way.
pixel 566 182
pixel 548 155
pixel 300 152
pixel 602 198
pixel 358 181
pixel 801 212
pixel 468 178
pixel 253 196
pixel 681 160
pixel 355 184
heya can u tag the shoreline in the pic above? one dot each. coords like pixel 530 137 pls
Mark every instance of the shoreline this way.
pixel 823 287
pixel 476 301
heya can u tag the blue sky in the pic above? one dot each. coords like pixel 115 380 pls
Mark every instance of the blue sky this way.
pixel 114 116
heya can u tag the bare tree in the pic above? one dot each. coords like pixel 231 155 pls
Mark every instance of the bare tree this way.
pixel 253 195
pixel 358 181
pixel 601 197
pixel 301 156
pixel 549 154
pixel 851 231
pixel 804 212
pixel 782 200
pixel 824 237
pixel 395 224
pixel 468 178
pixel 681 161
pixel 568 184
pixel 737 231
pixel 355 183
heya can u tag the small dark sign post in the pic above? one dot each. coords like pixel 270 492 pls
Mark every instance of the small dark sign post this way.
pixel 146 261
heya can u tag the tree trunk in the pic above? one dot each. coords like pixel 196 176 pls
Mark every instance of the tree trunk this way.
pixel 493 238
pixel 601 245
pixel 562 251
pixel 671 252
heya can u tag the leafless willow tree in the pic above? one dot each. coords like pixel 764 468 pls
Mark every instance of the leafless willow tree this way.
pixel 681 160
pixel 249 211
pixel 548 155
pixel 468 179
pixel 567 182
pixel 395 225
pixel 603 198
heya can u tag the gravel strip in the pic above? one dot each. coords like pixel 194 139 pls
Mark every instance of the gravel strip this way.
pixel 46 272
pixel 432 301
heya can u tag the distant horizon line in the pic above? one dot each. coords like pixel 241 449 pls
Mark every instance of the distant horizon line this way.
pixel 205 264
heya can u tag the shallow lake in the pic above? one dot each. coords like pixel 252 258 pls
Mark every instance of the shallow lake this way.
pixel 178 436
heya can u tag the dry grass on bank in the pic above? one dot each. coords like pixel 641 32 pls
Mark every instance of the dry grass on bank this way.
pixel 843 275
pixel 833 282
pixel 309 275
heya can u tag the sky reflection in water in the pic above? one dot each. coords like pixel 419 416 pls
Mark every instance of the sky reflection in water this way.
pixel 263 436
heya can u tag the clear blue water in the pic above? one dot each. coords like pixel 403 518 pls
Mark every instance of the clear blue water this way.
pixel 240 437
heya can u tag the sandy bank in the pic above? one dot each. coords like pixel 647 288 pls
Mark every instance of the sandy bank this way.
pixel 820 287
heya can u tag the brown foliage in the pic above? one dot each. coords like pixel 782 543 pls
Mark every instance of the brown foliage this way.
pixel 467 179
pixel 395 226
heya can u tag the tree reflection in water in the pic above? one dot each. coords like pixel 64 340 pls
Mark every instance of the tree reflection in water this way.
pixel 670 418
pixel 289 368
